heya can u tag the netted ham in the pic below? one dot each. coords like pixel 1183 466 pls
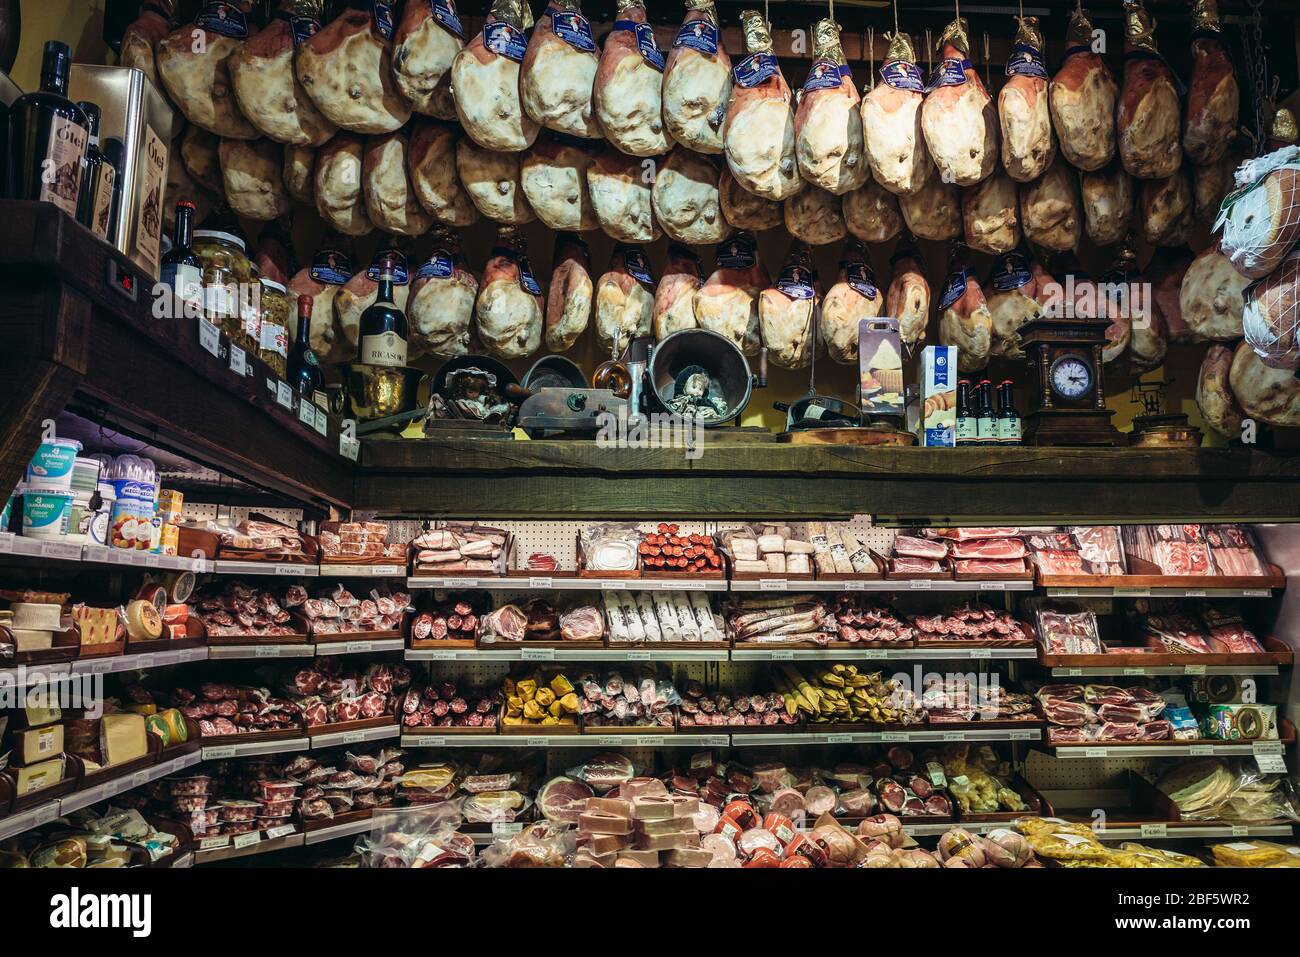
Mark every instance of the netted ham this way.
pixel 727 303
pixel 1271 315
pixel 787 312
pixel 1028 143
pixel 569 299
pixel 554 178
pixel 440 306
pixel 340 199
pixel 1147 118
pixel 1082 97
pixel 697 81
pixel 347 71
pixel 428 38
pixel 1262 224
pixel 624 299
pixel 1267 394
pixel 485 80
pixel 828 122
pixel 1211 300
pixel 266 87
pixel 854 297
pixel 990 215
pixel 392 203
pixel 491 179
pixel 628 98
pixel 891 117
pixel 958 117
pixel 674 306
pixel 1049 209
pixel 815 216
pixel 251 178
pixel 685 199
pixel 508 314
pixel 559 71
pixel 908 296
pixel 621 198
pixel 1108 203
pixel 964 319
pixel 871 213
pixel 758 135
pixel 745 210
pixel 431 166
pixel 193 64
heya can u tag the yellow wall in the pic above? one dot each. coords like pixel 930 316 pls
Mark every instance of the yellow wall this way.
pixel 78 23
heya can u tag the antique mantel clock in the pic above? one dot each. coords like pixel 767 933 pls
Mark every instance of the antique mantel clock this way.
pixel 1069 402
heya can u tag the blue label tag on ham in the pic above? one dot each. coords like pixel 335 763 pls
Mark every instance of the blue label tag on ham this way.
pixel 902 75
pixel 949 73
pixel 444 11
pixel 526 279
pixel 698 35
pixel 1012 272
pixel 955 289
pixel 504 40
pixel 736 254
pixel 860 277
pixel 400 276
pixel 437 266
pixel 382 15
pixel 645 42
pixel 796 282
pixel 826 75
pixel 636 264
pixel 302 28
pixel 223 18
pixel 331 266
pixel 573 29
pixel 1026 61
pixel 754 69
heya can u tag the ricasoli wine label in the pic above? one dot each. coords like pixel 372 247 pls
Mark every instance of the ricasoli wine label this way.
pixel 384 349
pixel 148 227
pixel 61 170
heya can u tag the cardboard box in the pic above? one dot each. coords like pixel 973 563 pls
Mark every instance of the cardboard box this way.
pixel 938 397
pixel 880 367
pixel 37 744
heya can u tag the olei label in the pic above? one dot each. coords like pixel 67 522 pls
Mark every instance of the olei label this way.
pixel 149 222
pixel 102 202
pixel 61 171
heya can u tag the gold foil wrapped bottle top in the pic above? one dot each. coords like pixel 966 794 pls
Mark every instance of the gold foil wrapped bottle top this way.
pixel 900 47
pixel 315 9
pixel 1284 126
pixel 514 12
pixel 758 38
pixel 1079 32
pixel 570 6
pixel 1125 257
pixel 957 34
pixel 1029 33
pixel 1139 26
pixel 624 5
pixel 1205 15
pixel 826 42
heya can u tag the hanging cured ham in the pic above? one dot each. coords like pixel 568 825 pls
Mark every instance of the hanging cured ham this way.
pixel 745 210
pixel 1049 209
pixel 620 191
pixel 431 165
pixel 727 303
pixel 758 135
pixel 199 154
pixel 1147 119
pixel 485 80
pixel 1212 96
pixel 1219 407
pixel 1028 143
pixel 815 217
pixel 322 280
pixel 143 34
pixel 1167 211
pixel 1165 272
pixel 787 312
pixel 964 319
pixel 491 180
pixel 685 199
pixel 508 314
pixel 1266 394
pixel 828 122
pixel 1108 203
pixel 440 304
pixel 891 117
pixel 193 64
pixel 1119 308
pixel 274 255
pixel 1211 300
pixel 180 185
pixel 697 81
pixel 568 301
pixel 554 177
pixel 347 70
pixel 1261 225
pixel 908 297
pixel 1269 317
pixel 339 197
pixel 674 307
pixel 958 117
pixel 559 71
pixel 362 289
pixel 1082 97
pixel 934 212
pixel 428 39
pixel 300 172
pixel 854 297
pixel 268 92
pixel 1017 292
pixel 871 213
pixel 990 215
pixel 625 299
pixel 628 93
pixel 1211 183
pixel 252 179
pixel 391 200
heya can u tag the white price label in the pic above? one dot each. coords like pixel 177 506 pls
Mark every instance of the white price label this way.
pixel 613 586
pixel 349 447
pixel 609 741
pixel 101 667
pixel 63 550
pixel 219 754
pixel 638 655
pixel 139 779
pixel 535 742
pixel 1201 750
pixel 1240 830
pixel 1065 592
pixel 539 583
pixel 1255 593
pixel 270 386
pixel 6 543
pixel 460 582
pixel 1136 672
pixel 1129 592
pixel 1267 747
pixel 920 584
pixel 144 661
pixel 954 736
pixel 693 586
pixel 356 647
pixel 307 412
pixel 839 738
pixel 506 828
pixel 284 830
pixel 993 586
pixel 288 570
pixel 247 840
pixel 782 656
pixel 1095 752
pixel 537 654
pixel 1194 593
pixel 322 422
pixel 855 584
pixel 209 337
pixel 1070 672
pixel 441 655
pixel 45 814
pixel 1153 830
pixel 152 561
pixel 650 741
pixel 212 843
pixel 1193 669
pixel 266 651
pixel 238 361
pixel 772 584
pixel 197 565
pixel 981 652
pixel 284 395
pixel 1023 735
pixel 895 736
pixel 353 737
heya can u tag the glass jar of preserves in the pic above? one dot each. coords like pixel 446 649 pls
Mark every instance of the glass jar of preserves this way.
pixel 226 273
pixel 273 343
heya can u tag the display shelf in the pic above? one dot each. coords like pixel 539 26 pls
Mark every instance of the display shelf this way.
pixel 525 653
pixel 621 740
pixel 26 820
pixel 881 654
pixel 1172 749
pixel 927 736
pixel 361 646
pixel 1174 832
pixel 322 834
pixel 462 583
pixel 1134 671
pixel 877 585
pixel 248 749
pixel 126 782
pixel 333 739
pixel 108 664
pixel 226 848
pixel 232 652
pixel 103 555
pixel 362 571
pixel 278 569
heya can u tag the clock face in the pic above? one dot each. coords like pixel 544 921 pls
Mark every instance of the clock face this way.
pixel 1071 377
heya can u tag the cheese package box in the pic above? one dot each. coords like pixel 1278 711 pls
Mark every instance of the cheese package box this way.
pixel 938 426
pixel 122 737
pixel 35 745
pixel 36 776
pixel 96 626
pixel 880 366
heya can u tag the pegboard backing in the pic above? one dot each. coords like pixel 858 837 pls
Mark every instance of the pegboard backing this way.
pixel 1058 774
pixel 232 515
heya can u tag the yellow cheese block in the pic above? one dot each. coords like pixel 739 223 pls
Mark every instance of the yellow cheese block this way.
pixel 35 745
pixel 143 621
pixel 122 737
pixel 37 776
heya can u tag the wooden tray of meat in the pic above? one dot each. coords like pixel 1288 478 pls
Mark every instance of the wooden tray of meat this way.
pixel 1275 653
pixel 888 574
pixel 777 576
pixel 1024 574
pixel 366 561
pixel 307 557
pixel 1022 637
pixel 246 737
pixel 821 576
pixel 338 820
pixel 295 639
pixel 360 724
pixel 561 573
pixel 665 645
pixel 1028 794
pixel 1147 575
pixel 438 731
pixel 342 636
pixel 531 728
pixel 87 779
pixel 454 541
pixel 1285 737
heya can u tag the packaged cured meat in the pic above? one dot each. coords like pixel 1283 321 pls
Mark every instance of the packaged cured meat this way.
pixel 558 72
pixel 1082 97
pixel 628 100
pixel 1028 143
pixel 759 132
pixel 1172 549
pixel 1233 550
pixel 1067 630
pixel 891 113
pixel 485 80
pixel 1147 116
pixel 958 117
pixel 1271 315
pixel 828 121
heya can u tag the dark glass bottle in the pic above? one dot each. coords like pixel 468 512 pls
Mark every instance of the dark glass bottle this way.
pixel 966 427
pixel 98 179
pixel 303 370
pixel 115 156
pixel 47 137
pixel 383 325
pixel 182 270
pixel 986 427
pixel 1009 426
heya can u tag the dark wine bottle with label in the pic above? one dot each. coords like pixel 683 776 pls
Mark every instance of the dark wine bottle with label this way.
pixel 98 179
pixel 115 156
pixel 986 426
pixel 47 138
pixel 303 371
pixel 182 270
pixel 966 429
pixel 383 325
pixel 1009 425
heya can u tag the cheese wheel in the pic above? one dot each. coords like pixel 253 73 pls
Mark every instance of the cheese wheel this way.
pixel 143 621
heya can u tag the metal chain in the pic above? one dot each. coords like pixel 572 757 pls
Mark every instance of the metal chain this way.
pixel 1252 36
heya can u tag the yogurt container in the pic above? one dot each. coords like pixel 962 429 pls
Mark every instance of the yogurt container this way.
pixel 85 474
pixel 45 511
pixel 131 523
pixel 87 525
pixel 51 466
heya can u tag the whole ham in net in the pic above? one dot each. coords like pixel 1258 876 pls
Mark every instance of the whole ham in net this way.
pixel 891 115
pixel 485 80
pixel 268 92
pixel 828 121
pixel 628 94
pixel 347 70
pixel 428 38
pixel 1260 222
pixel 758 135
pixel 958 117
pixel 508 314
pixel 1271 315
pixel 558 73
pixel 697 81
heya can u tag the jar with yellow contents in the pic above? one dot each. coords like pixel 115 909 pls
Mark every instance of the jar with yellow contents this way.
pixel 273 344
pixel 226 277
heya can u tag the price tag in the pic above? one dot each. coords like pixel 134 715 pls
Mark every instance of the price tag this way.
pixel 638 655
pixel 855 584
pixel 535 742
pixel 716 740
pixel 1201 750
pixel 1270 763
pixel 993 586
pixel 307 413
pixel 270 386
pixel 460 582
pixel 1240 830
pixel 920 584
pixel 1193 669
pixel 1070 672
pixel 1153 830
pixel 432 741
pixel 144 661
pixel 45 814
pixel 539 583
pixel 139 779
pixel 954 736
pixel 609 741
pixel 1023 736
pixel 219 754
pixel 1255 593
pixel 349 447
pixel 782 656
pixel 613 585
pixel 1135 671
pixel 287 570
pixel 895 736
pixel 266 651
pixel 981 653
pixel 441 655
pixel 506 828
pixel 284 830
pixel 101 667
pixel 650 741
pixel 1197 593
pixel 185 860
pixel 284 395
pixel 353 737
pixel 247 840
pixel 356 647
pixel 197 565
pixel 839 738
pixel 692 586
pixel 63 550
pixel 6 543
pixel 238 361
pixel 1065 592
pixel 1095 753
pixel 212 843
pixel 322 422
pixel 209 337
pixel 1132 592
pixel 537 654
pixel 772 584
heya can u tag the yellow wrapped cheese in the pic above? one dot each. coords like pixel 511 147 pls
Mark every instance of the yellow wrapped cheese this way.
pixel 514 705
pixel 548 720
pixel 561 686
pixel 545 697
pixel 168 724
pixel 1254 854
pixel 526 689
pixel 570 703
pixel 533 710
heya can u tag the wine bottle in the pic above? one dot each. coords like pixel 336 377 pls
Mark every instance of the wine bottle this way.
pixel 47 137
pixel 966 426
pixel 98 179
pixel 1009 425
pixel 986 428
pixel 303 370
pixel 182 270
pixel 383 325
